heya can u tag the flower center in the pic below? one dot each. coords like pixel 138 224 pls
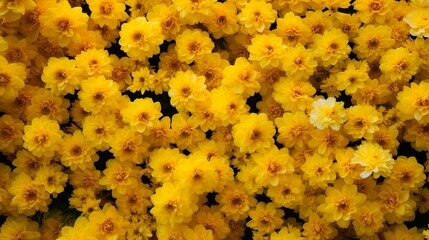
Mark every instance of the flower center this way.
pixel 63 25
pixel 143 117
pixel 120 176
pixel 171 206
pixel 237 201
pixel 221 20
pixel 14 55
pixel 4 80
pixel 255 135
pixel 373 43
pixel 194 47
pixel 106 8
pixel 76 151
pixel 129 147
pixel 7 132
pixel 367 219
pixel 48 108
pixel 31 195
pixel 42 138
pixel 375 6
pixel 108 227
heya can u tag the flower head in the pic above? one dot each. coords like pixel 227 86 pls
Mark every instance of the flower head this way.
pixel 375 159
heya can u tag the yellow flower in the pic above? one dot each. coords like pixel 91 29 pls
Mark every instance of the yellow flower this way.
pixel 172 205
pixel 13 10
pixel 19 227
pixel 19 50
pixel 396 204
pixel 199 232
pixel 346 170
pixel 128 145
pixel 362 121
pixel 235 202
pixel 331 47
pixel 299 62
pixel 289 192
pixel 256 16
pixel 79 231
pixel 399 64
pixel 211 68
pixel 90 39
pixel 98 129
pixel 86 179
pixel 52 178
pixel 135 200
pixel 368 220
pixel 418 135
pixel 161 135
pixel 317 228
pixel 265 218
pixel 61 76
pixel 407 173
pixel 77 151
pixel 168 18
pixel 317 170
pixel 140 82
pixel 413 102
pixel 402 232
pixel 107 224
pixel 373 10
pixel 140 38
pixel 107 12
pixel 141 114
pixel 292 30
pixel 170 63
pixel 253 132
pixel 271 165
pixel 194 11
pixel 340 203
pixel 61 23
pixel 192 45
pixel 186 90
pixel 42 137
pixel 212 219
pixel 195 173
pixel 287 232
pixel 28 195
pixel 98 94
pixel 375 159
pixel 94 62
pixel 222 20
pixel 227 105
pixel 418 21
pixel 241 77
pixel 327 113
pixel 120 175
pixel 373 41
pixel 294 93
pixel 267 50
pixel 44 103
pixel 327 141
pixel 11 132
pixel 186 131
pixel 294 129
pixel 163 162
pixel 12 78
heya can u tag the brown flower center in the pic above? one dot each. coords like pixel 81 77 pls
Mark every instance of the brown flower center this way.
pixel 106 8
pixel 63 24
pixel 107 227
pixel 4 80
